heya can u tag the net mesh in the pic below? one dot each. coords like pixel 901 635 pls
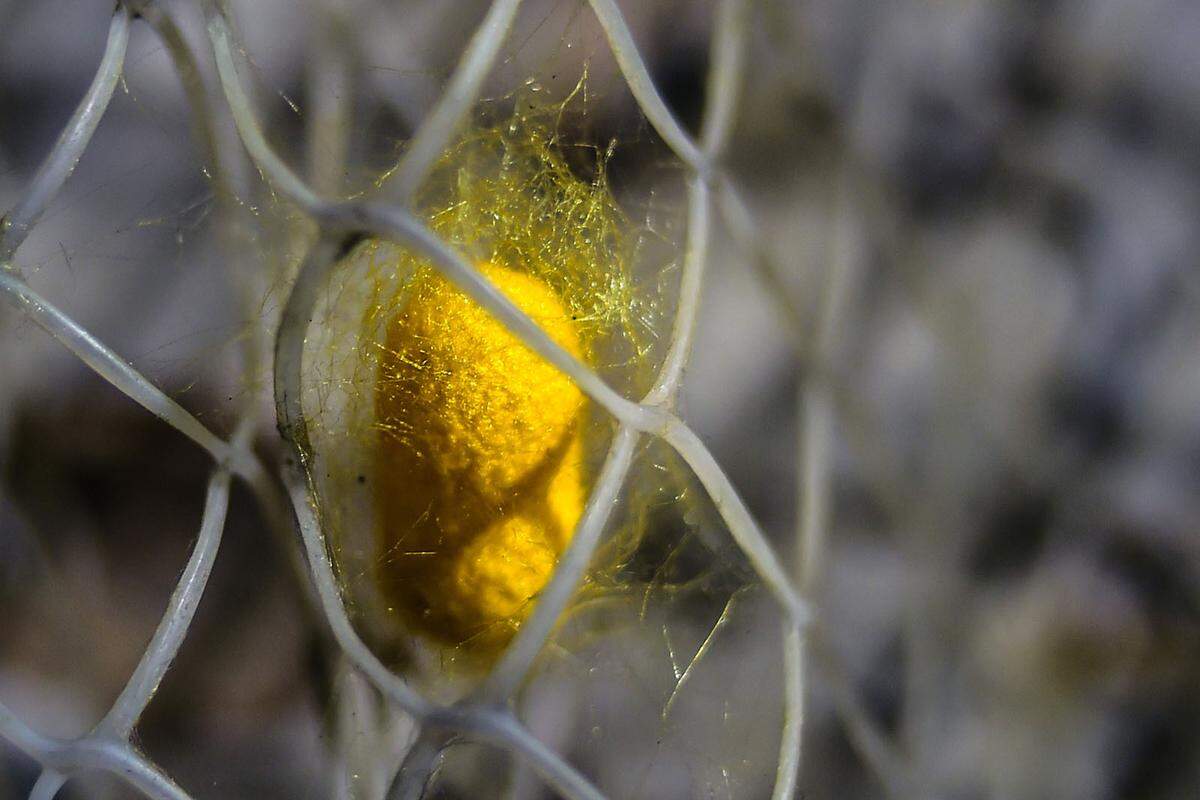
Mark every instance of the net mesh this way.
pixel 434 241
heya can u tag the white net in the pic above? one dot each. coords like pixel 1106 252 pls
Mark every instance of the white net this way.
pixel 946 353
pixel 392 736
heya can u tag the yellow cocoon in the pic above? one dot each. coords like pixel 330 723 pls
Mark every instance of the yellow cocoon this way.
pixel 480 474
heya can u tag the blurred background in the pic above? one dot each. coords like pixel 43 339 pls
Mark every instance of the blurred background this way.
pixel 975 276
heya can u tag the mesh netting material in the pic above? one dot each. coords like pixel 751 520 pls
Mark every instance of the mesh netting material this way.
pixel 484 715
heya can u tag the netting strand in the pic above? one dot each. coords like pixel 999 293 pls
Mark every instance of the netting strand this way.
pixel 67 151
pixel 455 103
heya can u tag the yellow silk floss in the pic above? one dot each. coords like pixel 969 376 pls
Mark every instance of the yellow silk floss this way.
pixel 481 452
